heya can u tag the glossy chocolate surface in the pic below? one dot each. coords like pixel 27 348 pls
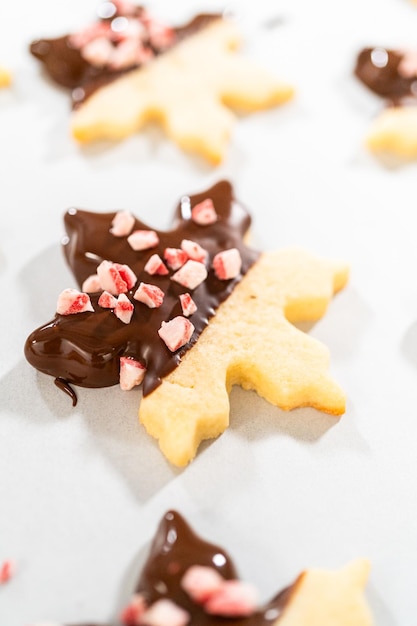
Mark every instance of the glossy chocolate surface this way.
pixel 66 66
pixel 85 349
pixel 377 68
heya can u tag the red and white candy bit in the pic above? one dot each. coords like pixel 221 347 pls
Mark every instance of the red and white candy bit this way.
pixel 165 612
pixel 150 295
pixel 201 582
pixel 115 277
pixel 193 250
pixel 72 301
pixel 122 224
pixel 191 274
pixel 88 34
pixel 129 52
pixel 160 35
pixel 175 257
pixel 233 599
pixel 176 333
pixel 187 304
pixel 132 373
pixel 107 301
pixel 123 309
pixel 98 52
pixel 132 613
pixel 155 265
pixel 204 213
pixel 143 240
pixel 227 264
pixel 91 284
pixel 125 7
pixel 7 570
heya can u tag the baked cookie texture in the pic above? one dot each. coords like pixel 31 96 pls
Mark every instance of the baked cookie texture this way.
pixel 240 331
pixel 190 80
pixel 188 581
pixel 391 75
pixel 5 77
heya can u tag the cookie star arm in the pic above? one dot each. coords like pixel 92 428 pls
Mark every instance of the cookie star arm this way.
pixel 395 131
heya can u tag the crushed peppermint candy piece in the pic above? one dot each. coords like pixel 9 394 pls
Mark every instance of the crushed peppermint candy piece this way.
pixel 176 333
pixel 115 277
pixel 204 213
pixel 72 301
pixel 155 265
pixel 234 598
pixel 151 295
pixel 90 33
pixel 132 373
pixel 201 582
pixel 98 52
pixel 122 224
pixel 107 300
pixel 7 570
pixel 193 250
pixel 124 309
pixel 191 274
pixel 91 284
pixel 187 304
pixel 165 612
pixel 175 257
pixel 227 264
pixel 143 240
pixel 133 612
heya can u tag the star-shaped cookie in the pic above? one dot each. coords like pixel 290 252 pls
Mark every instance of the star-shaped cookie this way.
pixel 125 74
pixel 218 314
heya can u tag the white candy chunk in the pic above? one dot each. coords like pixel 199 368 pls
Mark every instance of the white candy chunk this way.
pixel 175 257
pixel 165 613
pixel 124 309
pixel 227 264
pixel 204 213
pixel 122 224
pixel 72 301
pixel 201 582
pixel 193 250
pixel 91 284
pixel 233 599
pixel 176 333
pixel 187 304
pixel 150 295
pixel 143 240
pixel 191 274
pixel 98 52
pixel 115 277
pixel 132 373
pixel 155 265
pixel 107 301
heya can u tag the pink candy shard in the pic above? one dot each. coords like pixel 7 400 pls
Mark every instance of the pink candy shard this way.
pixel 165 613
pixel 123 309
pixel 98 52
pixel 122 224
pixel 150 295
pixel 71 301
pixel 201 582
pixel 175 257
pixel 7 569
pixel 204 213
pixel 115 277
pixel 143 240
pixel 233 599
pixel 107 301
pixel 90 33
pixel 155 265
pixel 91 284
pixel 187 304
pixel 176 333
pixel 191 274
pixel 193 250
pixel 227 264
pixel 132 373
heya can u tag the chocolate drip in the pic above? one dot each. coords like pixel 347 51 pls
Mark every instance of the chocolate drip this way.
pixel 66 388
pixel 85 349
pixel 66 66
pixel 176 548
pixel 377 68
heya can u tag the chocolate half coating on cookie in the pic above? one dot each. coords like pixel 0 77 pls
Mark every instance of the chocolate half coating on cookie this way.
pixel 85 349
pixel 380 69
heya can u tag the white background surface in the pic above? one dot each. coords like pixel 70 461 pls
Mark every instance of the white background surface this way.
pixel 82 490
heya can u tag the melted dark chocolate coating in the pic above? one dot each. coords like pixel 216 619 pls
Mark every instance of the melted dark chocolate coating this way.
pixel 85 349
pixel 385 81
pixel 66 66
